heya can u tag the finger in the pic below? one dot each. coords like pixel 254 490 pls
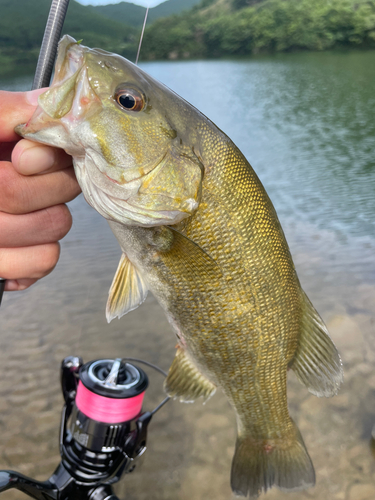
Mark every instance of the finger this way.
pixel 36 228
pixel 18 285
pixel 23 194
pixel 16 108
pixel 29 158
pixel 28 262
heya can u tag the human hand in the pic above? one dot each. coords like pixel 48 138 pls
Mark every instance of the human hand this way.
pixel 35 182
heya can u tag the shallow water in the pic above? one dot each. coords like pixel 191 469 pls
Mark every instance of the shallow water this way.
pixel 305 122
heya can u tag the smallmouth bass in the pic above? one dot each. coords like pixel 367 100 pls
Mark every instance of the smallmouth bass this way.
pixel 198 230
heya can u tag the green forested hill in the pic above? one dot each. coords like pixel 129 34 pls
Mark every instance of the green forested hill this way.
pixel 21 34
pixel 132 14
pixel 244 27
pixel 211 28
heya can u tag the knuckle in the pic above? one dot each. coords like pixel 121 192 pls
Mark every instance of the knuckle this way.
pixel 59 221
pixel 10 191
pixel 49 259
pixel 3 261
pixel 29 263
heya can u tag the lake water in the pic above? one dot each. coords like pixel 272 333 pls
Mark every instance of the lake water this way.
pixel 306 124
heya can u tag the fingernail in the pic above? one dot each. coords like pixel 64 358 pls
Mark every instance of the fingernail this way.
pixel 32 96
pixel 35 160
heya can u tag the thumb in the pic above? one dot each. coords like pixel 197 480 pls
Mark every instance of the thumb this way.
pixel 16 108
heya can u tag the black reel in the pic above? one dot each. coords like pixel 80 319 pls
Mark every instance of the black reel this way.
pixel 103 431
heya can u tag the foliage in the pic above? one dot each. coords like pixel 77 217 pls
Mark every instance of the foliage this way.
pixel 240 4
pixel 211 28
pixel 21 34
pixel 268 25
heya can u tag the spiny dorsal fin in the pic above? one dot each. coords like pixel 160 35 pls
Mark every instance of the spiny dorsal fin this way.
pixel 127 292
pixel 185 381
pixel 317 363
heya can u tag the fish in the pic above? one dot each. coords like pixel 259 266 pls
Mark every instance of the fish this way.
pixel 197 229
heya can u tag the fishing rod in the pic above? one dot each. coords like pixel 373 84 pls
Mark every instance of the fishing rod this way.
pixel 2 286
pixel 51 37
pixel 46 59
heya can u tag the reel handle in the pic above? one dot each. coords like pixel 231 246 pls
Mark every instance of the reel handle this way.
pixel 58 487
pixel 35 489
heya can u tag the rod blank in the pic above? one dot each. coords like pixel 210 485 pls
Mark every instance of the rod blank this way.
pixel 52 35
pixel 2 286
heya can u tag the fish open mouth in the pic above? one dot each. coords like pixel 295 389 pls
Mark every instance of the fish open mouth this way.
pixel 71 95
pixel 67 101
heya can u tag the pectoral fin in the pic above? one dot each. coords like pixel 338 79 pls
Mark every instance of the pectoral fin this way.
pixel 317 363
pixel 185 381
pixel 127 292
pixel 192 261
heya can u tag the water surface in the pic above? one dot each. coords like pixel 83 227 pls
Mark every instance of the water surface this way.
pixel 306 124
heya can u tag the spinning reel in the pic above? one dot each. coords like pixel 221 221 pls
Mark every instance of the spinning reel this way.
pixel 103 431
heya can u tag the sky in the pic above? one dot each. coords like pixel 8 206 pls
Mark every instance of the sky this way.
pixel 144 3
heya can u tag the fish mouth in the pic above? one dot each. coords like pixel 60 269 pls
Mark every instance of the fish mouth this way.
pixel 69 99
pixel 71 94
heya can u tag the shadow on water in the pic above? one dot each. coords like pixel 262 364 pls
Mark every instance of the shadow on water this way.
pixel 305 122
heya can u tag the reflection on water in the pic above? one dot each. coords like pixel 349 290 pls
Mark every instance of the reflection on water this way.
pixel 305 122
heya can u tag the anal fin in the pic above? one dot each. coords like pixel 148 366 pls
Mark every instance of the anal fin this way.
pixel 127 292
pixel 185 381
pixel 317 363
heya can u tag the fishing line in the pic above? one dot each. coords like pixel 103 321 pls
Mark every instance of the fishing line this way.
pixel 143 30
pixel 108 409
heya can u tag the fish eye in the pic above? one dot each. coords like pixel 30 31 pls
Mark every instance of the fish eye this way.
pixel 129 99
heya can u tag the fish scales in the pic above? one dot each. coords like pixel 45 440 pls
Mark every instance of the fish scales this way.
pixel 198 230
pixel 265 320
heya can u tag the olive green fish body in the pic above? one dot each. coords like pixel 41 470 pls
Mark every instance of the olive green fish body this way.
pixel 238 322
pixel 242 323
pixel 198 230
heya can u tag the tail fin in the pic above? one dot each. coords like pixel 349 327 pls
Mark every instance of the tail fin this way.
pixel 260 464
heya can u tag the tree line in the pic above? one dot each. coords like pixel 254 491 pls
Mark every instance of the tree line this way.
pixel 253 26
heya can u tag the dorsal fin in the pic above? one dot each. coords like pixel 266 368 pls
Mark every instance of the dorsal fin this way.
pixel 317 363
pixel 127 292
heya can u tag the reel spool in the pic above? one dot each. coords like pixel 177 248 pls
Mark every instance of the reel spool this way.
pixel 109 395
pixel 103 417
